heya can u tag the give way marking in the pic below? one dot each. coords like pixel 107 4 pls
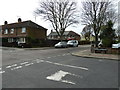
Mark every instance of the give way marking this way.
pixel 59 75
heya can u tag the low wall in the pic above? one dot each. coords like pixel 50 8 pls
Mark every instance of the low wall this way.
pixel 109 50
pixel 113 50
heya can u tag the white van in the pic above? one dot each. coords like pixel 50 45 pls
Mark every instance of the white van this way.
pixel 73 43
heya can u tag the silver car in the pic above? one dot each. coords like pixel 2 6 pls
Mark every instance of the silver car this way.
pixel 73 43
pixel 61 44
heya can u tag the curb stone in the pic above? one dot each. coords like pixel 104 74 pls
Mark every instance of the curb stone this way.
pixel 92 56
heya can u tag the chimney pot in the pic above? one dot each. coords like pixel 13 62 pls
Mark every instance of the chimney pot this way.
pixel 19 20
pixel 51 31
pixel 5 22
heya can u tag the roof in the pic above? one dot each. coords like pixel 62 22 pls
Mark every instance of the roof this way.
pixel 55 33
pixel 65 33
pixel 28 23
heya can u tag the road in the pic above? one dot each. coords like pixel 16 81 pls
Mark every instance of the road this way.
pixel 56 68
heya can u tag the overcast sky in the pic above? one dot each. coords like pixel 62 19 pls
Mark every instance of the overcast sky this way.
pixel 11 10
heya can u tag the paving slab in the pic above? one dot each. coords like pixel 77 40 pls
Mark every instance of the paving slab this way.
pixel 88 54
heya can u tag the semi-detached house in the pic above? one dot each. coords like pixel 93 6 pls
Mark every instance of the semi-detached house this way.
pixel 20 32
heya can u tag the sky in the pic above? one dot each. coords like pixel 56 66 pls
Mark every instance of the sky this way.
pixel 11 10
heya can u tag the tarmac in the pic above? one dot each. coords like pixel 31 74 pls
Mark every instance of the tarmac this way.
pixel 85 53
pixel 88 54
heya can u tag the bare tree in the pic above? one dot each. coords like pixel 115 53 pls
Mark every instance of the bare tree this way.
pixel 96 14
pixel 87 32
pixel 61 14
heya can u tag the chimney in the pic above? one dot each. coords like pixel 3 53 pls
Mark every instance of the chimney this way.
pixel 51 31
pixel 19 20
pixel 5 23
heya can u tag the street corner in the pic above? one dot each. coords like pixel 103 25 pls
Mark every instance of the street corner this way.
pixel 87 54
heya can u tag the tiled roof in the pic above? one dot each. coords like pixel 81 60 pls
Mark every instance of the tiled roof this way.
pixel 28 23
pixel 55 33
pixel 65 33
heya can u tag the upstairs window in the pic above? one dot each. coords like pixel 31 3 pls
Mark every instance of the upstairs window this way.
pixel 6 31
pixel 12 31
pixel 23 30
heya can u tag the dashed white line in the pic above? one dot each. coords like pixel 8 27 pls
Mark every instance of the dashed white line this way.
pixel 16 68
pixel 2 72
pixel 11 66
pixel 24 63
pixel 68 54
pixel 39 61
pixel 63 54
pixel 48 57
pixel 29 64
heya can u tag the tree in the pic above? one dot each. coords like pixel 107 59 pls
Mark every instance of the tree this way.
pixel 107 34
pixel 87 32
pixel 96 14
pixel 61 14
pixel 118 33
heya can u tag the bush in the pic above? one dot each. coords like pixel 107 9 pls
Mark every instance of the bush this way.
pixel 84 42
pixel 107 34
pixel 107 42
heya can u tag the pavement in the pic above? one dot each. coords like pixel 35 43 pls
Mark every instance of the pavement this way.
pixel 88 54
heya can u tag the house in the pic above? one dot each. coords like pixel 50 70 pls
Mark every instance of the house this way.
pixel 21 32
pixel 68 35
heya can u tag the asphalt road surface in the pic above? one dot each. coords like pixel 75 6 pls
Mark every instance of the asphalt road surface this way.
pixel 56 68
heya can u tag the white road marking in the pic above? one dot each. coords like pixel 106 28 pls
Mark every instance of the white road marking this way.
pixel 100 60
pixel 84 68
pixel 24 63
pixel 39 61
pixel 59 64
pixel 48 57
pixel 16 68
pixel 63 54
pixel 59 75
pixel 2 72
pixel 11 66
pixel 29 64
pixel 0 68
pixel 68 54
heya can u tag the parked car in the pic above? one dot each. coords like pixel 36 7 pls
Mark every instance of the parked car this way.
pixel 116 45
pixel 73 43
pixel 24 45
pixel 61 44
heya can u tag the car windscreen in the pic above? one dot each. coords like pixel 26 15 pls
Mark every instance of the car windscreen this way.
pixel 62 42
pixel 71 41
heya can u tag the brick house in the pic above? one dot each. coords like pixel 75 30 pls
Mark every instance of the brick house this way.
pixel 20 32
pixel 68 35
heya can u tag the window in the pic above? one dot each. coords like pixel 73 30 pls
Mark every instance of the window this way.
pixel 10 40
pixel 21 40
pixel 23 30
pixel 6 31
pixel 12 31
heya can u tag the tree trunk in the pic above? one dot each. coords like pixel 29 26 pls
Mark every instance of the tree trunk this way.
pixel 96 40
pixel 61 38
